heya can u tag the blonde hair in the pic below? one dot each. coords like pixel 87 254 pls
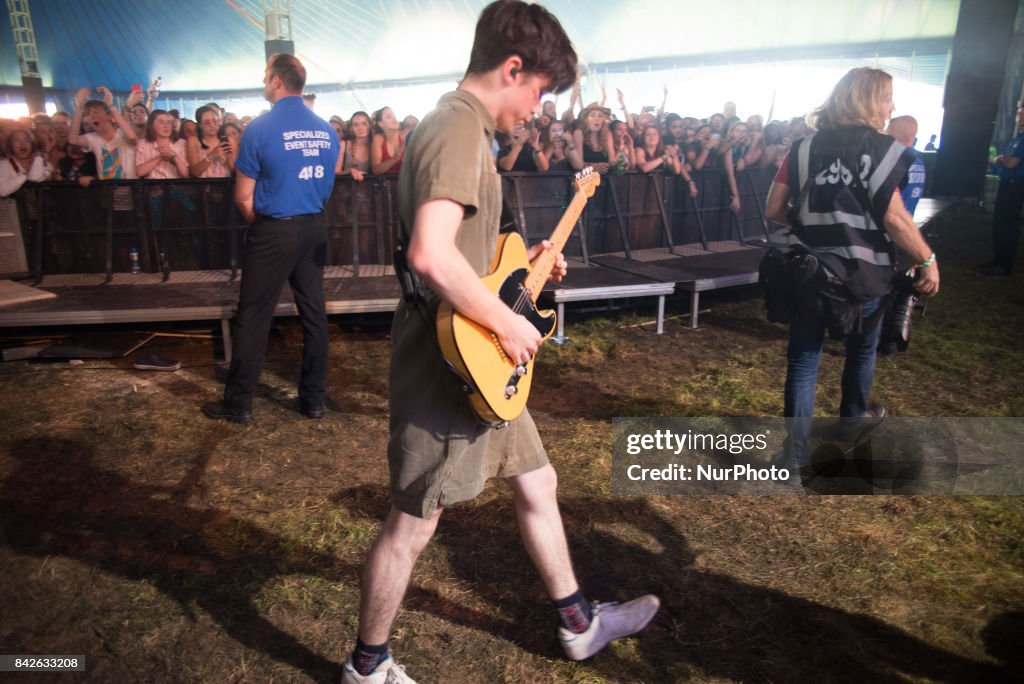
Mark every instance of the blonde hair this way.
pixel 855 101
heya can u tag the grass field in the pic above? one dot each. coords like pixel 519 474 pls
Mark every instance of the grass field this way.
pixel 168 548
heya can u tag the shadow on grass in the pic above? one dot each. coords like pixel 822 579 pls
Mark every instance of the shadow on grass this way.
pixel 709 623
pixel 63 504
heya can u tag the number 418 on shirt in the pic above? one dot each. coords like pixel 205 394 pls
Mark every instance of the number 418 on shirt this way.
pixel 308 172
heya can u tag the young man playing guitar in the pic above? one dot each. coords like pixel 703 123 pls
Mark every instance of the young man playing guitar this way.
pixel 440 452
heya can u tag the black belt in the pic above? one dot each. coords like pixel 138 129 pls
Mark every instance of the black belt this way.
pixel 262 217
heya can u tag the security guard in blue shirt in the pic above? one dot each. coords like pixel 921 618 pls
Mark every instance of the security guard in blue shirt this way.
pixel 1009 202
pixel 285 176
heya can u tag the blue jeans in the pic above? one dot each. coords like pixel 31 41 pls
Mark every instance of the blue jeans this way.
pixel 806 337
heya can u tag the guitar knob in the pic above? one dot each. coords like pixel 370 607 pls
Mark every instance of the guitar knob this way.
pixel 511 390
pixel 521 370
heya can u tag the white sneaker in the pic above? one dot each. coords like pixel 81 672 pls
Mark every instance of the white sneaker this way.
pixel 611 621
pixel 388 672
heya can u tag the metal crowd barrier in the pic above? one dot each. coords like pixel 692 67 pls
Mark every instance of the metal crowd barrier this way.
pixel 183 225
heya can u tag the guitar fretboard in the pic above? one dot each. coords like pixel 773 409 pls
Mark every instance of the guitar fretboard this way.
pixel 542 267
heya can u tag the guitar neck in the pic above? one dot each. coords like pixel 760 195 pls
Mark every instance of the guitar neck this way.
pixel 545 263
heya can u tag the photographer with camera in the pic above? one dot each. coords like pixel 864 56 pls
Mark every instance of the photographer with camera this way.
pixel 839 190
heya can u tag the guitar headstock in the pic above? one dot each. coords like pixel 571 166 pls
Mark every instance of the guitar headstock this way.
pixel 586 181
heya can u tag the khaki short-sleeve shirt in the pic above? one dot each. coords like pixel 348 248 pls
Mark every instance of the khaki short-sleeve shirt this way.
pixel 450 158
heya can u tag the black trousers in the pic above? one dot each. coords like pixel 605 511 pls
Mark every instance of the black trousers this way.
pixel 275 252
pixel 1006 222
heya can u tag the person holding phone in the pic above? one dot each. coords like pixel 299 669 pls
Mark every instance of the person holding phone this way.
pixel 555 140
pixel 206 158
pixel 733 152
pixel 622 147
pixel 230 136
pixel 138 113
pixel 703 153
pixel 524 152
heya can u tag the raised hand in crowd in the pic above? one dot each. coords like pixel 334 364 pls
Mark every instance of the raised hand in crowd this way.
pixel 81 95
pixel 108 97
pixel 626 116
pixel 127 130
pixel 136 97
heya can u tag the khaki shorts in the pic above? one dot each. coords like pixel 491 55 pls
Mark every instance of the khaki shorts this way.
pixel 439 452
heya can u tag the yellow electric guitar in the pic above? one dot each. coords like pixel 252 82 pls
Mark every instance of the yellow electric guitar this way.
pixel 498 387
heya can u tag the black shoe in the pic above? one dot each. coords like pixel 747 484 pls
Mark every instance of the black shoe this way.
pixel 313 412
pixel 218 410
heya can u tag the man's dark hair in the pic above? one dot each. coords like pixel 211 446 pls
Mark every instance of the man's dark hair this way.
pixel 290 70
pixel 513 27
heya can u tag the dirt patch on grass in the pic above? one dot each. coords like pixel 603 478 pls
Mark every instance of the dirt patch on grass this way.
pixel 166 547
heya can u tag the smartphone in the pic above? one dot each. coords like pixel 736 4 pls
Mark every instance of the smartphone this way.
pixel 716 136
pixel 647 108
pixel 136 87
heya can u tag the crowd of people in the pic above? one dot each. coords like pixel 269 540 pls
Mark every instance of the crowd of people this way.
pixel 103 142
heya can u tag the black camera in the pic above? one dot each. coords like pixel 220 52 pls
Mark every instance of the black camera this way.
pixel 896 328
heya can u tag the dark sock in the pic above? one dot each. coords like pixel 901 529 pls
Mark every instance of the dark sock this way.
pixel 574 612
pixel 366 658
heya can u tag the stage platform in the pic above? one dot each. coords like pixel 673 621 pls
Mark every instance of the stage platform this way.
pixel 591 282
pixel 692 269
pixel 83 299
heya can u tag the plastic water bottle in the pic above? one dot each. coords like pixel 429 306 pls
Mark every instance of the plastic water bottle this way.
pixel 133 256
